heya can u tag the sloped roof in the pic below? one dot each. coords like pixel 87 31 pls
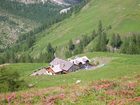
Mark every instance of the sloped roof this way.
pixel 56 68
pixel 64 65
pixel 85 58
pixel 80 60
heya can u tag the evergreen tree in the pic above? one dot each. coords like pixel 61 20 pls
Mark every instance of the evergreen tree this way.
pixel 131 46
pixel 1 60
pixel 124 46
pixel 93 35
pixel 50 49
pixel 100 28
pixel 22 58
pixel 85 40
pixel 49 57
pixel 71 46
pixel 118 41
pixel 103 42
pixel 28 58
pixel 10 81
pixel 101 39
pixel 50 53
pixel 68 54
pixel 7 56
pixel 138 43
pixel 113 41
pixel 13 58
pixel 78 49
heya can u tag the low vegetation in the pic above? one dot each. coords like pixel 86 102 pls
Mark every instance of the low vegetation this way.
pixel 117 82
pixel 10 81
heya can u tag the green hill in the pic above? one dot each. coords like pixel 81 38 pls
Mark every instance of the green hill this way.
pixel 123 16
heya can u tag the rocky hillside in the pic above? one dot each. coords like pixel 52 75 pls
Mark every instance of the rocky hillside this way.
pixel 18 17
pixel 61 2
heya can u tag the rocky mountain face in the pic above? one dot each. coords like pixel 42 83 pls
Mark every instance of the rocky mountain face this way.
pixel 60 2
pixel 18 17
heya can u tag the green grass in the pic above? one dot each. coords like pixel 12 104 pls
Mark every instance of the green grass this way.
pixel 121 65
pixel 123 16
pixel 25 69
pixel 122 73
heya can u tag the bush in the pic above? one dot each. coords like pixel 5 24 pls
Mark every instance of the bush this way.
pixel 10 81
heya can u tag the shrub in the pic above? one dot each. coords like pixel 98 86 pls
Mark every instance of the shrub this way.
pixel 10 81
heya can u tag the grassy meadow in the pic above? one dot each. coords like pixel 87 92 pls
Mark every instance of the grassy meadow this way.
pixel 117 82
pixel 120 65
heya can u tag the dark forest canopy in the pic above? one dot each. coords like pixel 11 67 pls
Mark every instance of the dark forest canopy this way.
pixel 37 12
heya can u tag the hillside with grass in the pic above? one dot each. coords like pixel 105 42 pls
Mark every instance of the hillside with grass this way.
pixel 122 16
pixel 117 81
pixel 100 39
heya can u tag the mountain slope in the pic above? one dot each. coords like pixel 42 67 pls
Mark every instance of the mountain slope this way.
pixel 60 2
pixel 123 16
pixel 17 18
pixel 12 26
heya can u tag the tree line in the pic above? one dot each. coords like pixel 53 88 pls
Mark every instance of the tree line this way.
pixel 131 44
pixel 128 45
pixel 26 41
pixel 11 57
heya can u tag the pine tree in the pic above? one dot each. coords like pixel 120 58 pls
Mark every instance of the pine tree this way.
pixel 118 41
pixel 100 28
pixel 93 35
pixel 68 54
pixel 50 53
pixel 131 46
pixel 10 81
pixel 124 47
pixel 138 43
pixel 101 39
pixel 113 41
pixel 71 46
pixel 85 40
pixel 50 49
pixel 78 49
pixel 103 42
pixel 2 60
pixel 13 58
